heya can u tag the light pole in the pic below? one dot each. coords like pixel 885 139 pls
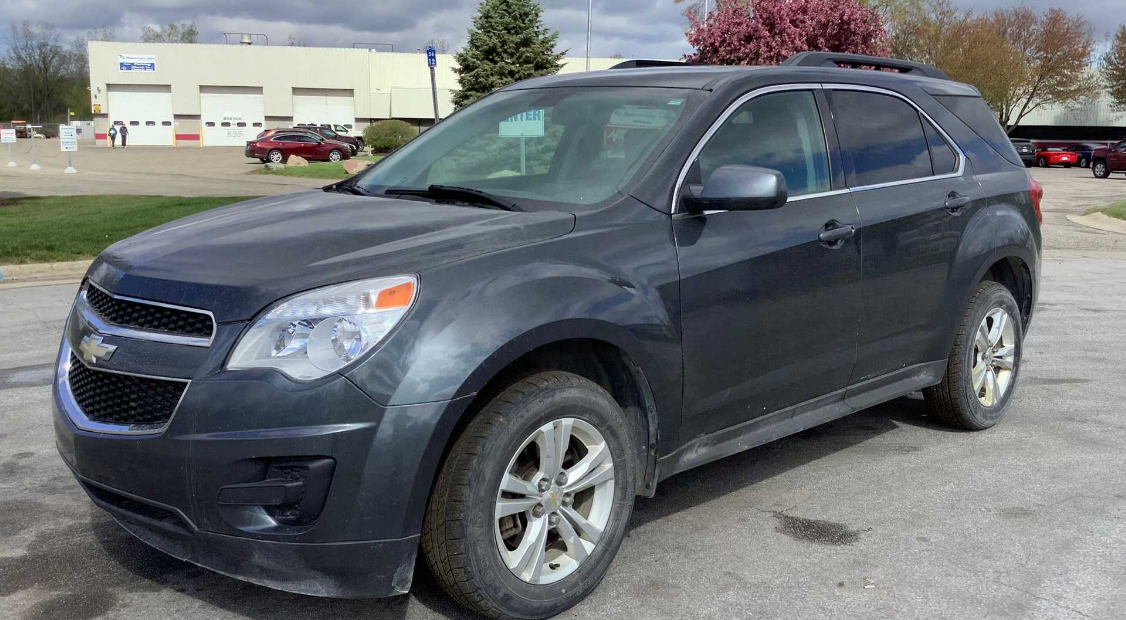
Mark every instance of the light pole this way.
pixel 589 11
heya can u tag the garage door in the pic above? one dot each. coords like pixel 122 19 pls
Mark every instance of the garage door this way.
pixel 146 109
pixel 319 106
pixel 231 115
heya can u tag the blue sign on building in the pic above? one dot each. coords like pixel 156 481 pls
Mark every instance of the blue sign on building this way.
pixel 431 56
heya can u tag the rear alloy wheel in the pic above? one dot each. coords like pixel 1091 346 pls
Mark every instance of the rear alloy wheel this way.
pixel 1099 169
pixel 275 156
pixel 334 155
pixel 1084 162
pixel 1043 163
pixel 534 499
pixel 982 370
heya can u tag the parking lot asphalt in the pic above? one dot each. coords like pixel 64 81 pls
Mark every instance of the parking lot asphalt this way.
pixel 142 170
pixel 882 514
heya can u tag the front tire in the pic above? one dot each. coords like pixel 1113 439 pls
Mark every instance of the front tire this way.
pixel 1043 163
pixel 512 529
pixel 1084 162
pixel 1099 169
pixel 984 364
pixel 335 155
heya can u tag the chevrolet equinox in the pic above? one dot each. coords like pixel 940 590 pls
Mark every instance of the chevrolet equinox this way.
pixel 486 345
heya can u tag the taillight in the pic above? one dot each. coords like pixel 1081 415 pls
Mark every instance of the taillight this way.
pixel 1037 192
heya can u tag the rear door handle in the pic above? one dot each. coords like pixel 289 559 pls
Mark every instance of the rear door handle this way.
pixel 833 234
pixel 955 202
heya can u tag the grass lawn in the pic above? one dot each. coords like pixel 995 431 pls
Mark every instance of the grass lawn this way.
pixel 64 228
pixel 317 169
pixel 1116 209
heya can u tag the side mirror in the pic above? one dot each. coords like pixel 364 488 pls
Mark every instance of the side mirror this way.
pixel 738 188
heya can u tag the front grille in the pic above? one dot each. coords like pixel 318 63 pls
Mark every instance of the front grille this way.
pixel 138 315
pixel 112 398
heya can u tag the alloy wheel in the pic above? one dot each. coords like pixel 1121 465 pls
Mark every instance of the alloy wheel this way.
pixel 555 501
pixel 1100 169
pixel 334 156
pixel 994 357
pixel 276 156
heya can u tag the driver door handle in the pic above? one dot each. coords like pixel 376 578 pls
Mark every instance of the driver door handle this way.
pixel 833 234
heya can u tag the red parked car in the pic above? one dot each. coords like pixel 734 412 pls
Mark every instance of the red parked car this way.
pixel 277 146
pixel 1053 156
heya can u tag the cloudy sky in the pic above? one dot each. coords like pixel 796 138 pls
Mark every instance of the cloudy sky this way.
pixel 632 28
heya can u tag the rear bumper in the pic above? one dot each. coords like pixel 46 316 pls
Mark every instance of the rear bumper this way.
pixel 353 569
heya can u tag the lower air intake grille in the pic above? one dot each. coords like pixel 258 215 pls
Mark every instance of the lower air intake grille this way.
pixel 112 398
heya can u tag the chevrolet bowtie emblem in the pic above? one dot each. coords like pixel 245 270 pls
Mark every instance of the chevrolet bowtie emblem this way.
pixel 94 350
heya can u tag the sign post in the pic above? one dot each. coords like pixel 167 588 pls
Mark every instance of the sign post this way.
pixel 34 156
pixel 524 125
pixel 8 136
pixel 68 143
pixel 432 61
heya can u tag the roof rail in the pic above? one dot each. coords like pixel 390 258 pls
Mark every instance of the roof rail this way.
pixel 642 63
pixel 832 59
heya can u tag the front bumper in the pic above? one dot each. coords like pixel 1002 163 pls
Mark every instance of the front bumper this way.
pixel 229 429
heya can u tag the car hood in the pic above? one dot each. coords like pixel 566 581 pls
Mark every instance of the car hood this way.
pixel 236 260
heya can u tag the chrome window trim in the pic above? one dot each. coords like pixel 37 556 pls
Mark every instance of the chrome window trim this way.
pixel 942 132
pixel 731 109
pixel 960 171
pixel 106 328
pixel 71 409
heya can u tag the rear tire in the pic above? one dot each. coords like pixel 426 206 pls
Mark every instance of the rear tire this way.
pixel 462 535
pixel 1043 163
pixel 1100 169
pixel 1084 162
pixel 275 156
pixel 977 386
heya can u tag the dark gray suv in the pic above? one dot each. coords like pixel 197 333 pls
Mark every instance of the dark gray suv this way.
pixel 484 347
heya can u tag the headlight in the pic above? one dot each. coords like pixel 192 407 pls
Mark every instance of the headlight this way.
pixel 321 331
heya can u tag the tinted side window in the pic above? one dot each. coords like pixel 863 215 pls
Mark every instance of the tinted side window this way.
pixel 943 157
pixel 976 114
pixel 781 131
pixel 882 136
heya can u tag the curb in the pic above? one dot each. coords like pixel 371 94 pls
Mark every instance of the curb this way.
pixel 39 272
pixel 1099 221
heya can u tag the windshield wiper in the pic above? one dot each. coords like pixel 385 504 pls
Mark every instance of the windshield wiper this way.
pixel 465 194
pixel 347 187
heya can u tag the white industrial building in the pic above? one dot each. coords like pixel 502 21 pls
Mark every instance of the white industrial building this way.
pixel 174 94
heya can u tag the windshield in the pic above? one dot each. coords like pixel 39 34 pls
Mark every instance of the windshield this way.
pixel 576 146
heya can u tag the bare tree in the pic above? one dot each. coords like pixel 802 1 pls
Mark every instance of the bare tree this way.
pixel 172 33
pixel 441 46
pixel 1018 59
pixel 36 71
pixel 295 42
pixel 1055 49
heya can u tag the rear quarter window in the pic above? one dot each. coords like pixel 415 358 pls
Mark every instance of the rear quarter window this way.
pixel 977 116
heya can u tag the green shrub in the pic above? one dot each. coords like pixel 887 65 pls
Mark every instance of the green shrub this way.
pixel 386 136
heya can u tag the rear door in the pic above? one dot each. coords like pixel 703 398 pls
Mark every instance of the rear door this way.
pixel 769 312
pixel 914 192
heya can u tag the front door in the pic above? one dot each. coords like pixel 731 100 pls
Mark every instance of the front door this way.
pixel 769 311
pixel 1117 157
pixel 915 194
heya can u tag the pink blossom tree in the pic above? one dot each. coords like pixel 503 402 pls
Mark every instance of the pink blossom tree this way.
pixel 766 32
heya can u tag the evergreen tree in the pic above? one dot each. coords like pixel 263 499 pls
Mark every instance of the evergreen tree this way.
pixel 507 43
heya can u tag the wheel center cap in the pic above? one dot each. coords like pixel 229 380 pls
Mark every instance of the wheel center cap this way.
pixel 551 500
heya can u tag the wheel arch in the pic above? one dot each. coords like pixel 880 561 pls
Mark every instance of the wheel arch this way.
pixel 591 351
